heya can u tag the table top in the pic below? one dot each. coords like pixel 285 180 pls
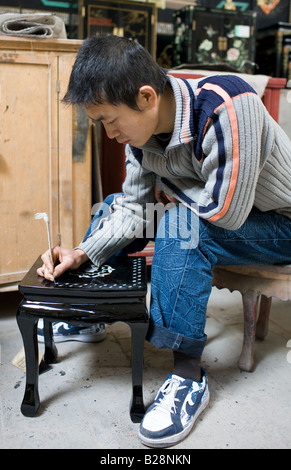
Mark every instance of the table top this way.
pixel 123 277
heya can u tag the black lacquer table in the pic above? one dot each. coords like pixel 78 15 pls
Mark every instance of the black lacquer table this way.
pixel 115 292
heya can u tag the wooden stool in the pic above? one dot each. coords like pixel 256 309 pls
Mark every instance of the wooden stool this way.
pixel 253 282
pixel 115 292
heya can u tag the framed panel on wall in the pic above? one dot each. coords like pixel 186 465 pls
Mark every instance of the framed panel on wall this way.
pixel 122 18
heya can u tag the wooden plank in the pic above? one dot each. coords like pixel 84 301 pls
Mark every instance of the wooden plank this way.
pixel 36 155
pixel 28 169
pixel 35 45
pixel 65 136
pixel 82 171
pixel 12 277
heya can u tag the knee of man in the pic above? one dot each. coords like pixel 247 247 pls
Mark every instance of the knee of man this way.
pixel 181 224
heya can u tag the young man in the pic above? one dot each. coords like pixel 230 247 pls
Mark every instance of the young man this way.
pixel 211 147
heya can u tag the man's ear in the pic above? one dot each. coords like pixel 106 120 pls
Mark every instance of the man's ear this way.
pixel 147 97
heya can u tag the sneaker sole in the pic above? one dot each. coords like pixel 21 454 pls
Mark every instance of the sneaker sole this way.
pixel 90 338
pixel 172 440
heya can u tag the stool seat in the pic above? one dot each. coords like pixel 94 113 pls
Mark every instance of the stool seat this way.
pixel 115 292
pixel 254 282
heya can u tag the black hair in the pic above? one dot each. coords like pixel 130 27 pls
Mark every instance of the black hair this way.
pixel 111 69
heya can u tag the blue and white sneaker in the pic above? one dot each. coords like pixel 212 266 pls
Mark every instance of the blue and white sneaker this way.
pixel 64 332
pixel 171 417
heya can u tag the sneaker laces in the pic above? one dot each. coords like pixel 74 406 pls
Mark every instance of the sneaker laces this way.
pixel 167 402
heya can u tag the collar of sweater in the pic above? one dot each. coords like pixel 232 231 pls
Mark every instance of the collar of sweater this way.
pixel 185 95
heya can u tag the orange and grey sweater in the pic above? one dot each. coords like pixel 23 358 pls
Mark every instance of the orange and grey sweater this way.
pixel 226 155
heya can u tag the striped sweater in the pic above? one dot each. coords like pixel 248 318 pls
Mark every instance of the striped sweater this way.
pixel 226 155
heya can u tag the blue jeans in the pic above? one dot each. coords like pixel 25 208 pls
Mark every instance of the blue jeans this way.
pixel 181 276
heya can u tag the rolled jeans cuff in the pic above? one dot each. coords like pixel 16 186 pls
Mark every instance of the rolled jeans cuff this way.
pixel 161 337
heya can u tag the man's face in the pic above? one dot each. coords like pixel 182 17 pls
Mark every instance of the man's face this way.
pixel 127 125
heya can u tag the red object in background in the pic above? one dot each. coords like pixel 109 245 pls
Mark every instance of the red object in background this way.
pixel 271 97
pixel 113 165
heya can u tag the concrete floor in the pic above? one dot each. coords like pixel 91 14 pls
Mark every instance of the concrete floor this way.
pixel 85 396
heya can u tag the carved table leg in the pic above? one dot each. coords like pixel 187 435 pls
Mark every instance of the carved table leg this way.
pixel 250 302
pixel 138 334
pixel 263 320
pixel 28 330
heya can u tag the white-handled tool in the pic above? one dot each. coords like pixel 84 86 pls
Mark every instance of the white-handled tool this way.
pixel 45 217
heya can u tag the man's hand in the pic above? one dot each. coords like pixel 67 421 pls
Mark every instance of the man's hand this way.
pixel 63 259
pixel 162 197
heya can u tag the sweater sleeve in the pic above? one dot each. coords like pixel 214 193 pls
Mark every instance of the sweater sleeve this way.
pixel 127 217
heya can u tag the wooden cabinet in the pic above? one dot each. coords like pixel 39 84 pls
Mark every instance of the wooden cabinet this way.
pixel 44 164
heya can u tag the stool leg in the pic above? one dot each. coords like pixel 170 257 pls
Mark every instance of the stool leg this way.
pixel 50 353
pixel 250 302
pixel 263 320
pixel 138 334
pixel 28 329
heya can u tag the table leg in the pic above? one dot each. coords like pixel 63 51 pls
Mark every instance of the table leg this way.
pixel 138 334
pixel 263 320
pixel 250 303
pixel 28 330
